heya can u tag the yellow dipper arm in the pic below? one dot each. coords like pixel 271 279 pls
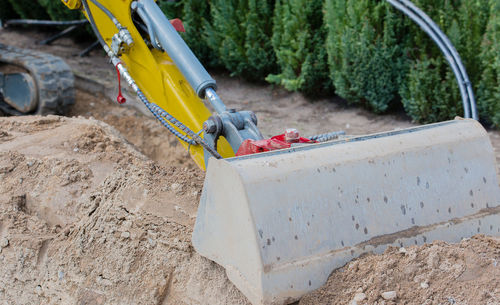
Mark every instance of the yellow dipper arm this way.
pixel 154 72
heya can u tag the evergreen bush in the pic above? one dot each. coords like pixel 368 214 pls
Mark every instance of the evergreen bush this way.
pixel 488 93
pixel 259 53
pixel 225 34
pixel 239 35
pixel 378 56
pixel 171 9
pixel 298 41
pixel 430 92
pixel 195 17
pixel 365 51
pixel 464 22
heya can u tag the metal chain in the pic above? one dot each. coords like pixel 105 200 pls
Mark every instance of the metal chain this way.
pixel 327 136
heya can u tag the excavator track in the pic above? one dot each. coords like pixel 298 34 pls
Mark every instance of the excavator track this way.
pixel 53 78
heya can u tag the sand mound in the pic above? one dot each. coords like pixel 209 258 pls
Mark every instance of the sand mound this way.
pixel 438 273
pixel 145 133
pixel 87 219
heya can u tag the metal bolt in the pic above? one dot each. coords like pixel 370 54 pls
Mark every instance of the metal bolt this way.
pixel 209 126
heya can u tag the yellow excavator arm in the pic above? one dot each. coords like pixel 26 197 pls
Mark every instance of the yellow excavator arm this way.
pixel 154 72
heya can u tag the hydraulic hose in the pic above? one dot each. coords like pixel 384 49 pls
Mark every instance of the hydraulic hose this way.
pixel 455 55
pixel 92 24
pixel 449 51
pixel 160 114
pixel 44 22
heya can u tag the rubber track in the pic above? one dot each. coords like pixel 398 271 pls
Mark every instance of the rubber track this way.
pixel 53 77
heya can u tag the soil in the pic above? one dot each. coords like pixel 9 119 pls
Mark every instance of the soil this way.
pixel 85 218
pixel 437 273
pixel 144 132
pixel 99 208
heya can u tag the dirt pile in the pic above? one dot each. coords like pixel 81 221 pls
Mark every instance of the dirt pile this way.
pixel 438 273
pixel 144 132
pixel 90 214
pixel 87 219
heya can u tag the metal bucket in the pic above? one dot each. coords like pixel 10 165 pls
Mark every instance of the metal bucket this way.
pixel 281 222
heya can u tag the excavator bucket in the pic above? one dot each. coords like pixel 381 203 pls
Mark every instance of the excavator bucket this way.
pixel 281 222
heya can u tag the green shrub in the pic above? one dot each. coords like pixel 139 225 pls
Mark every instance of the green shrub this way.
pixel 430 92
pixel 298 41
pixel 195 17
pixel 365 52
pixel 258 30
pixel 464 22
pixel 225 34
pixel 488 93
pixel 239 35
pixel 378 56
pixel 171 9
pixel 368 51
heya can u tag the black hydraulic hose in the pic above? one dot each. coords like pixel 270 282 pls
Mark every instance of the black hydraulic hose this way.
pixel 454 53
pixel 428 26
pixel 44 22
pixel 92 24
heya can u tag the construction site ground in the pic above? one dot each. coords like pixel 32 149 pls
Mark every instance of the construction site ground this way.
pixel 98 207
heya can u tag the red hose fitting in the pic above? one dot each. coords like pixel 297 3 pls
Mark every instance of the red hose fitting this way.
pixel 120 98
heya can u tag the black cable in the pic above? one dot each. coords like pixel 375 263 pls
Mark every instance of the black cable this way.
pixel 92 23
pixel 44 22
pixel 448 50
pixel 454 53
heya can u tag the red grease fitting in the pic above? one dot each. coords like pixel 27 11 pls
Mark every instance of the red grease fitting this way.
pixel 249 147
pixel 292 135
pixel 177 24
pixel 120 98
